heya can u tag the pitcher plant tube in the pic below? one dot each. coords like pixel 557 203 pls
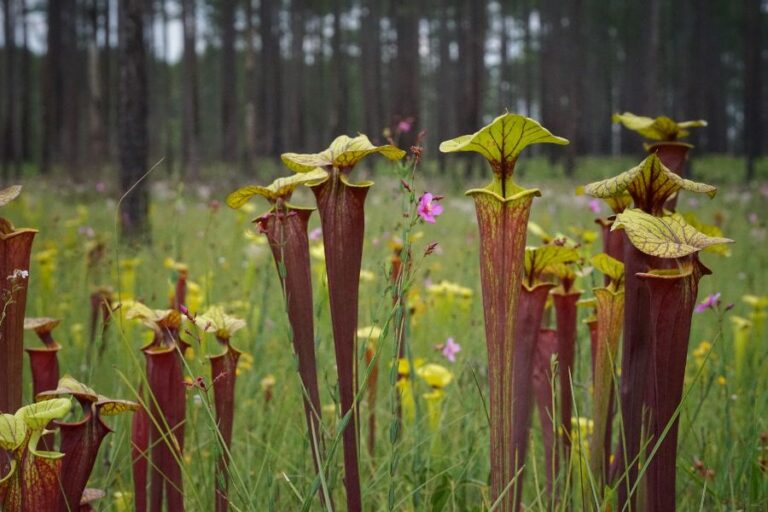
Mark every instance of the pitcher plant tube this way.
pixel 673 291
pixel 538 262
pixel 543 378
pixel 502 208
pixel 285 227
pixel 609 301
pixel 650 184
pixel 556 260
pixel 15 250
pixel 166 407
pixel 340 202
pixel 223 377
pixel 81 440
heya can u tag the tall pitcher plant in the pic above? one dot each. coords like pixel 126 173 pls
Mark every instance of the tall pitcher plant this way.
pixel 502 209
pixel 285 226
pixel 650 185
pixel 15 249
pixel 340 202
pixel 672 296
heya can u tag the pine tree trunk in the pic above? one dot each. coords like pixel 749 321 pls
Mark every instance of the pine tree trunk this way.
pixel 133 138
pixel 752 85
pixel 190 130
pixel 229 124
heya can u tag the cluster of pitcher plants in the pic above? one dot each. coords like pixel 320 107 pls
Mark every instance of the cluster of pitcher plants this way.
pixel 639 326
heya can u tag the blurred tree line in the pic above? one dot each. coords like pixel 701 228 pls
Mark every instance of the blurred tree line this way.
pixel 254 78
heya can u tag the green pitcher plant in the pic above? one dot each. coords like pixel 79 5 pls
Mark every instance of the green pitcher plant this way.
pixel 285 227
pixel 672 297
pixel 15 250
pixel 340 202
pixel 502 209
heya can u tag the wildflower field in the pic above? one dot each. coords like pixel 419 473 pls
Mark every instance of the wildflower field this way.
pixel 429 404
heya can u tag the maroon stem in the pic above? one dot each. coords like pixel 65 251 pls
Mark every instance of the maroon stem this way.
pixel 613 244
pixel 566 315
pixel 342 215
pixel 635 360
pixel 502 226
pixel 80 442
pixel 223 374
pixel 44 363
pixel 530 309
pixel 15 249
pixel 593 338
pixel 168 408
pixel 139 456
pixel 542 388
pixel 673 297
pixel 286 231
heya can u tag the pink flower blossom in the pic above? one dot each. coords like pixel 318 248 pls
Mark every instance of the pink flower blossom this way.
pixel 404 126
pixel 428 209
pixel 450 349
pixel 315 234
pixel 711 302
pixel 594 206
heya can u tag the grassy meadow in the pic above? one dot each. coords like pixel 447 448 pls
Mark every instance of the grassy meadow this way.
pixel 436 465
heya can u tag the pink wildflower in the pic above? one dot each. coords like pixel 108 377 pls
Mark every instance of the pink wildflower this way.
pixel 428 209
pixel 450 349
pixel 315 234
pixel 404 126
pixel 711 302
pixel 594 206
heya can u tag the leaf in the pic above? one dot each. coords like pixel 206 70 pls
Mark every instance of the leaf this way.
pixel 539 259
pixel 709 230
pixel 36 416
pixel 69 386
pixel 343 153
pixel 9 194
pixel 661 128
pixel 113 407
pixel 609 266
pixel 13 431
pixel 280 188
pixel 501 141
pixel 650 184
pixel 41 325
pixel 664 237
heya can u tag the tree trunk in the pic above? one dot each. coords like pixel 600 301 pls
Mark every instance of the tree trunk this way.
pixel 407 77
pixel 190 129
pixel 752 85
pixel 26 88
pixel 370 44
pixel 10 126
pixel 251 89
pixel 96 151
pixel 446 105
pixel 72 80
pixel 229 124
pixel 298 97
pixel 133 138
pixel 340 114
